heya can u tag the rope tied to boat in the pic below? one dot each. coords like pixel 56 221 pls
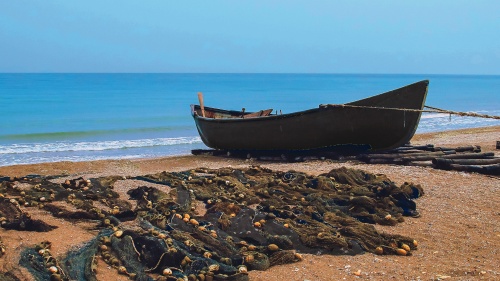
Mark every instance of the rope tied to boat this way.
pixel 431 110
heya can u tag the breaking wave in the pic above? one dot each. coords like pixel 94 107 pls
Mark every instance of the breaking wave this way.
pixel 434 122
pixel 65 146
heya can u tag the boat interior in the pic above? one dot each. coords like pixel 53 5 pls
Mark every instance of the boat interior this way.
pixel 207 113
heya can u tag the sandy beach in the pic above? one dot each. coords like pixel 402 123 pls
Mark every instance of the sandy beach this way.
pixel 458 231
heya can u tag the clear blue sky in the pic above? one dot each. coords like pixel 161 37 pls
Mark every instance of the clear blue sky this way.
pixel 330 36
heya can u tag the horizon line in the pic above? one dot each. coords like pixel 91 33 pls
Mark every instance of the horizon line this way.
pixel 263 73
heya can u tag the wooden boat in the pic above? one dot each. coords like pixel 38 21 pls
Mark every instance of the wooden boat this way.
pixel 380 122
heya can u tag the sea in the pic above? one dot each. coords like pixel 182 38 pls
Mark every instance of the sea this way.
pixel 80 117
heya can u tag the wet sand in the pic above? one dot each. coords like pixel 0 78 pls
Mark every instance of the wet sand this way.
pixel 458 231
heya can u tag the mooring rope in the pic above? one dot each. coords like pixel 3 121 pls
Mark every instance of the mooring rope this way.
pixel 433 110
pixel 470 114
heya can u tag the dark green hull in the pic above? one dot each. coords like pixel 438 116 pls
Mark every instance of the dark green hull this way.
pixel 369 122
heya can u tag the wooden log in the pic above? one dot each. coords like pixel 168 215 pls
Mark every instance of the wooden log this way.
pixel 420 164
pixel 211 152
pixel 492 169
pixel 407 151
pixel 202 152
pixel 419 147
pixel 473 148
pixel 426 156
pixel 401 155
pixel 483 169
pixel 384 161
pixel 470 156
pixel 443 162
pixel 270 158
pixel 243 154
pixel 418 158
pixel 464 168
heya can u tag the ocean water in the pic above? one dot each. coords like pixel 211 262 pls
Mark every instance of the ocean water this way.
pixel 79 117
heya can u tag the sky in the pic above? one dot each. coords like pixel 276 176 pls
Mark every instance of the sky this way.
pixel 322 36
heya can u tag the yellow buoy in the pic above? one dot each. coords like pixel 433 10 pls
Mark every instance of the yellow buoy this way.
pixel 405 247
pixel 401 252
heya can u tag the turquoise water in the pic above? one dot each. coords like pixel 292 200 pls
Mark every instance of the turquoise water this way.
pixel 78 117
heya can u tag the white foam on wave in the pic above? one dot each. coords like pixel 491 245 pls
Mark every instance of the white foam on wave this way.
pixel 433 122
pixel 94 145
pixel 433 115
pixel 70 158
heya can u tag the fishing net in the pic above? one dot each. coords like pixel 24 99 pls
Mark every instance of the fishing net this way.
pixel 210 224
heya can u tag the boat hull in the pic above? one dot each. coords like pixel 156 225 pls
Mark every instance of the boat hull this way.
pixel 366 123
